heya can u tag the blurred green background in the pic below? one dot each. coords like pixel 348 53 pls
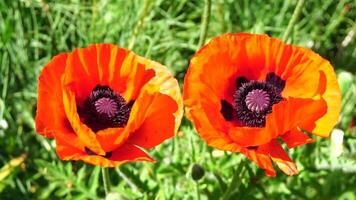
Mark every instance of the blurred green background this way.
pixel 32 31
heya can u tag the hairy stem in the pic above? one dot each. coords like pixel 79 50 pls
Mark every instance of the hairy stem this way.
pixel 106 180
pixel 197 190
pixel 235 182
pixel 293 20
pixel 205 23
pixel 140 24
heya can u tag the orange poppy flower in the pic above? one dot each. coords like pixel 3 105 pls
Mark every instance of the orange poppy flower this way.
pixel 103 104
pixel 244 91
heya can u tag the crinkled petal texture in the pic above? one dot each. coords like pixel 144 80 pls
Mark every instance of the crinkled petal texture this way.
pixel 311 96
pixel 69 78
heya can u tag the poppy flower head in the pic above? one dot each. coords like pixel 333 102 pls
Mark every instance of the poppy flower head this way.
pixel 261 90
pixel 103 104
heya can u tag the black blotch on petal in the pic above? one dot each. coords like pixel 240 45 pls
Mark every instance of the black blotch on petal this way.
pixel 130 104
pixel 276 81
pixel 252 147
pixel 89 152
pixel 227 110
pixel 92 153
pixel 240 80
pixel 108 154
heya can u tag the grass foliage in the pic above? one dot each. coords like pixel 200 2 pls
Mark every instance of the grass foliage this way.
pixel 32 31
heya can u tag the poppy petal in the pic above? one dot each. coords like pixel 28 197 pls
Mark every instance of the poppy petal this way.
pixel 137 75
pixel 318 79
pixel 112 138
pixel 68 146
pixel 54 122
pixel 105 64
pixel 285 116
pixel 158 124
pixel 213 136
pixel 106 137
pixel 296 138
pixel 236 55
pixel 332 96
pixel 281 158
pixel 84 133
pixel 82 63
pixel 262 160
pixel 49 90
pixel 218 59
pixel 167 85
pixel 272 150
pixel 101 64
pixel 137 117
pixel 126 153
pixel 130 152
pixel 144 127
pixel 203 108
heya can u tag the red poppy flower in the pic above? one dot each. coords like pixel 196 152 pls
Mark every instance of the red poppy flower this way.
pixel 103 104
pixel 244 91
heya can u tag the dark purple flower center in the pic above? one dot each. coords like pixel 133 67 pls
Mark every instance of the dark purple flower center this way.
pixel 253 100
pixel 104 109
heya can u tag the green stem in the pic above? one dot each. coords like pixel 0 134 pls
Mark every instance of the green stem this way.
pixel 127 180
pixel 293 20
pixel 221 17
pixel 106 180
pixel 140 24
pixel 205 23
pixel 197 190
pixel 93 20
pixel 235 182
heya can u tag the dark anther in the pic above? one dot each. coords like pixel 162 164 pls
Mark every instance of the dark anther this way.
pixel 104 109
pixel 227 110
